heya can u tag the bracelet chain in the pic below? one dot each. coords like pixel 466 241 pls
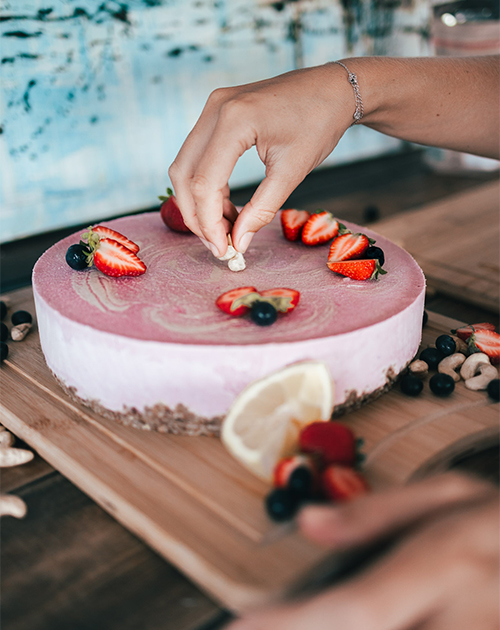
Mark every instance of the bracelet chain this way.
pixel 353 80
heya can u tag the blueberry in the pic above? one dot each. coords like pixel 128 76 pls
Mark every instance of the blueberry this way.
pixel 441 384
pixel 281 504
pixel 300 482
pixel 446 345
pixel 493 389
pixel 432 356
pixel 4 332
pixel 375 252
pixel 263 313
pixel 3 310
pixel 425 319
pixel 21 317
pixel 411 385
pixel 76 256
pixel 4 351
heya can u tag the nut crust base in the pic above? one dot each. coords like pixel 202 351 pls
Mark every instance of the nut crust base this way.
pixel 181 421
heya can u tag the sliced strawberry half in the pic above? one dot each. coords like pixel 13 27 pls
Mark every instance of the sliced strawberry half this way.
pixel 226 301
pixel 358 269
pixel 105 232
pixel 487 341
pixel 292 222
pixel 348 247
pixel 114 259
pixel 331 442
pixel 464 332
pixel 284 300
pixel 340 483
pixel 285 467
pixel 320 228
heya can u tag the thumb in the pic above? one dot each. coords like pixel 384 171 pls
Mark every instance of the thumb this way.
pixel 269 197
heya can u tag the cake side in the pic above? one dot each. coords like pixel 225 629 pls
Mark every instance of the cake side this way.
pixel 206 379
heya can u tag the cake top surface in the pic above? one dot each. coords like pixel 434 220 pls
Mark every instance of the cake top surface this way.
pixel 174 301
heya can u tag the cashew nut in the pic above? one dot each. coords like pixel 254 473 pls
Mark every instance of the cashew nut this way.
pixel 11 505
pixel 6 439
pixel 19 332
pixel 461 345
pixel 486 373
pixel 449 364
pixel 14 457
pixel 419 368
pixel 471 363
pixel 235 260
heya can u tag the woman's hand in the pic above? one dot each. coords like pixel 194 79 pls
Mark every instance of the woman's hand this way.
pixel 443 575
pixel 295 120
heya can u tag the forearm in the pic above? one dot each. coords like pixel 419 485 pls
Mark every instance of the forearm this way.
pixel 452 103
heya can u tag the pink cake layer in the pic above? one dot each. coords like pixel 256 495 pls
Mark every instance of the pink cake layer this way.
pixel 159 339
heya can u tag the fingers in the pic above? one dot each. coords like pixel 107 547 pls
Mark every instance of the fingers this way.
pixel 433 570
pixel 380 514
pixel 201 171
pixel 269 197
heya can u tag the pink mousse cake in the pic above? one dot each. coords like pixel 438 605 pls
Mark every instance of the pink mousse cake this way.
pixel 155 352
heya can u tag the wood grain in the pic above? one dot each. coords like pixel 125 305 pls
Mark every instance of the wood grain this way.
pixel 189 500
pixel 456 241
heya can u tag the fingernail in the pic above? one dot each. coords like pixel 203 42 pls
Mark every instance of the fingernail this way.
pixel 245 242
pixel 211 247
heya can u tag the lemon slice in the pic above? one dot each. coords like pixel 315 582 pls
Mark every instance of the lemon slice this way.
pixel 264 422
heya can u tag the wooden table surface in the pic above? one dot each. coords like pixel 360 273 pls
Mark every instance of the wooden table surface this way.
pixel 79 568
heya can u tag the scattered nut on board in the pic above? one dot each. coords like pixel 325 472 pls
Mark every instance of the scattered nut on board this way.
pixel 11 505
pixel 485 374
pixel 6 439
pixel 450 364
pixel 471 364
pixel 461 345
pixel 14 456
pixel 19 332
pixel 419 368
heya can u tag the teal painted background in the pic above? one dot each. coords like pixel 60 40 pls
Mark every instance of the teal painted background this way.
pixel 96 98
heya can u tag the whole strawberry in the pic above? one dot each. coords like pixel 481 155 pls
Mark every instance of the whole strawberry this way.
pixel 331 442
pixel 170 213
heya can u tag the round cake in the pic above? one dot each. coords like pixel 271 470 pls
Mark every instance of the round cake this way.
pixel 155 352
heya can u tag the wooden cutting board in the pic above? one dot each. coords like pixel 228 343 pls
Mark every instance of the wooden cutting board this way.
pixel 456 241
pixel 188 499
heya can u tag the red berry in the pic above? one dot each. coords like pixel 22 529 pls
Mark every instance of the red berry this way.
pixel 285 467
pixel 320 228
pixel 226 301
pixel 357 269
pixel 333 442
pixel 105 232
pixel 466 331
pixel 286 299
pixel 487 341
pixel 340 483
pixel 348 247
pixel 171 215
pixel 292 222
pixel 114 259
